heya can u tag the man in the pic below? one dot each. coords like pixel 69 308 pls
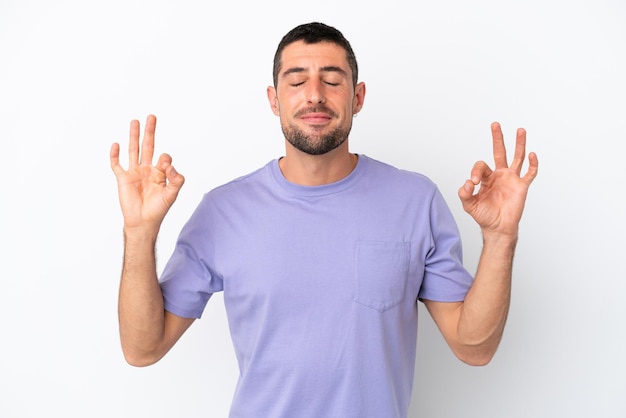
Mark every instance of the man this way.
pixel 322 254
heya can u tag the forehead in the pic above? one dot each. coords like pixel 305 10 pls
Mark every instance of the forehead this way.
pixel 321 54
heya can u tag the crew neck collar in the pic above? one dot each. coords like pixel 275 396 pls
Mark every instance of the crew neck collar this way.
pixel 321 190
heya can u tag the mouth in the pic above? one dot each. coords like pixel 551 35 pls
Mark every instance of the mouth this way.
pixel 316 118
pixel 316 115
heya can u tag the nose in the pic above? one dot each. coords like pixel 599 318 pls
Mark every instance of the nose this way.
pixel 315 92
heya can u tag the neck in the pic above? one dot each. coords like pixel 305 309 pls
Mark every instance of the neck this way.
pixel 316 170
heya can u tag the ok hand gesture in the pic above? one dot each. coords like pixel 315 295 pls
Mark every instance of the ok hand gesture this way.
pixel 498 205
pixel 146 192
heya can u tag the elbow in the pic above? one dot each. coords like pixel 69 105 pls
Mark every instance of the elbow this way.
pixel 476 355
pixel 138 362
pixel 139 359
pixel 476 359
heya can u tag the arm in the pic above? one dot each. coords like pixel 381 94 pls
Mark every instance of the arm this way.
pixel 473 328
pixel 146 193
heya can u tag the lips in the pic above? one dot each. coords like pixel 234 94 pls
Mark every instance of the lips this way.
pixel 316 114
pixel 316 117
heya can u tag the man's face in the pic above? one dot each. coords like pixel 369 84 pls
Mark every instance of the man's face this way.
pixel 314 96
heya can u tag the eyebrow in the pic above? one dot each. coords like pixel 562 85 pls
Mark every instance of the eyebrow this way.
pixel 327 69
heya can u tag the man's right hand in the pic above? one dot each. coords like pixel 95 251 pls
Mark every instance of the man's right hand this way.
pixel 146 192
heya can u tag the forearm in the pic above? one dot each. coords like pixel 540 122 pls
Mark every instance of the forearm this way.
pixel 486 306
pixel 140 307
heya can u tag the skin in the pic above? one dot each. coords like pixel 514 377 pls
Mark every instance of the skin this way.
pixel 316 98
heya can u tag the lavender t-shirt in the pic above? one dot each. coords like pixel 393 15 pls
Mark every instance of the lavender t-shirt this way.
pixel 320 285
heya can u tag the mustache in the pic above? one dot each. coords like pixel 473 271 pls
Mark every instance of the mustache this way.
pixel 316 109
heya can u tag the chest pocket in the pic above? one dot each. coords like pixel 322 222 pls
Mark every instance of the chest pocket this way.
pixel 382 270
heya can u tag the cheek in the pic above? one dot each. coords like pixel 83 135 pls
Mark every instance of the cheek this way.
pixel 286 102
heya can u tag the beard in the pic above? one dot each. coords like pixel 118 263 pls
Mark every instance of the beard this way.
pixel 315 143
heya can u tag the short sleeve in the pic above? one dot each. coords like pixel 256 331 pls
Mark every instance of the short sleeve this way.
pixel 188 279
pixel 445 277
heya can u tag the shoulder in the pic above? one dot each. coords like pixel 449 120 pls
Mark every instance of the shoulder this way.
pixel 245 183
pixel 392 176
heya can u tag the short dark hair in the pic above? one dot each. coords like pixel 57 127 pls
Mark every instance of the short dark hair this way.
pixel 312 33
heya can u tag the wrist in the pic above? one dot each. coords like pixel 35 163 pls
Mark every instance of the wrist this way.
pixel 500 239
pixel 140 234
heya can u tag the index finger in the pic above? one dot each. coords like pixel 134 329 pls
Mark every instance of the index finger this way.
pixel 499 150
pixel 147 145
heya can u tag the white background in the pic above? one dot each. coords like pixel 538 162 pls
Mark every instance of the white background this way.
pixel 74 73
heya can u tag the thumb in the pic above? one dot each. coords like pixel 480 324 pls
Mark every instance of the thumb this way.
pixel 466 194
pixel 466 191
pixel 175 180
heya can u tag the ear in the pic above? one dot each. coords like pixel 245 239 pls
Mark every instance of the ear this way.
pixel 272 97
pixel 359 98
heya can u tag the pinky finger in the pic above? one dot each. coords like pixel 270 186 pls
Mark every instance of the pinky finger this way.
pixel 533 168
pixel 114 156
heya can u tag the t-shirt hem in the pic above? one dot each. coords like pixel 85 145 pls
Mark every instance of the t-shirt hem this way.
pixel 185 313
